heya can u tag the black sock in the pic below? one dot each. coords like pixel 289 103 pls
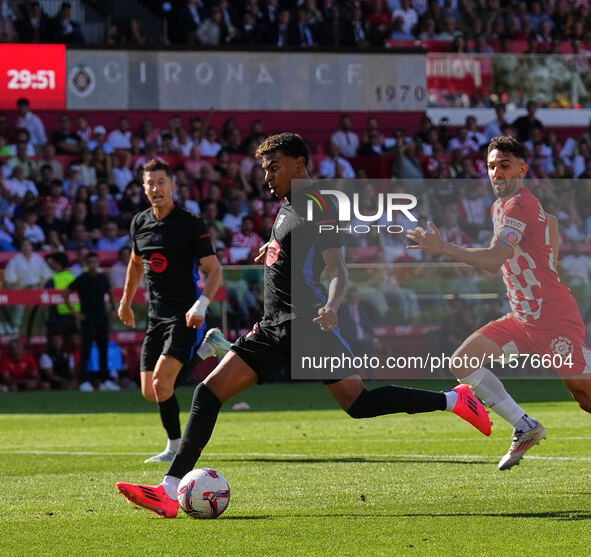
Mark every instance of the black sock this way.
pixel 392 399
pixel 204 413
pixel 169 413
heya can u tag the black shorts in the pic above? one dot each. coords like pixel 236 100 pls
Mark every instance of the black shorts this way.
pixel 267 349
pixel 170 337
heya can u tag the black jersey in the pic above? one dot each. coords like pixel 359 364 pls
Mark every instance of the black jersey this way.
pixel 294 262
pixel 171 249
pixel 91 291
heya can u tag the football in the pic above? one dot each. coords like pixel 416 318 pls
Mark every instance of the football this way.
pixel 204 493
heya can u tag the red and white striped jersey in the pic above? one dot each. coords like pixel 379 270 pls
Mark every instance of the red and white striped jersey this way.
pixel 533 287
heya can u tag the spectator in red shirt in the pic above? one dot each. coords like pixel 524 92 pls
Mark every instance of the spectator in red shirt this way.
pixel 246 237
pixel 379 18
pixel 21 368
pixel 245 243
pixel 61 203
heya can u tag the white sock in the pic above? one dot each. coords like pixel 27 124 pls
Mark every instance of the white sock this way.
pixel 489 388
pixel 451 398
pixel 205 351
pixel 171 485
pixel 525 423
pixel 172 445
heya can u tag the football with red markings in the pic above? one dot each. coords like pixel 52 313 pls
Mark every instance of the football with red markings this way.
pixel 204 493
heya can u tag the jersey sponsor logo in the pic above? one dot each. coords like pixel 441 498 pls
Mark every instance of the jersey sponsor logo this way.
pixel 253 330
pixel 562 346
pixel 510 235
pixel 514 223
pixel 273 250
pixel 158 262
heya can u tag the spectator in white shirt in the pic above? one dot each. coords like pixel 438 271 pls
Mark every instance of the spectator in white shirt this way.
pixel 233 219
pixel 33 232
pixel 334 166
pixel 577 264
pixel 185 200
pixel 99 139
pixel 18 185
pixel 408 15
pixel 346 140
pixel 121 137
pixel 478 137
pixel 183 141
pixel 463 142
pixel 87 169
pixel 493 128
pixel 122 174
pixel 31 122
pixel 110 240
pixel 26 269
pixel 22 137
pixel 249 160
pixel 84 130
pixel 209 145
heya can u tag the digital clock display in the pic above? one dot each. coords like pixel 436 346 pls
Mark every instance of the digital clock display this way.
pixel 24 79
pixel 37 72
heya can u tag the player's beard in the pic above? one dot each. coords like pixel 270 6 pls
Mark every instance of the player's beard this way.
pixel 507 187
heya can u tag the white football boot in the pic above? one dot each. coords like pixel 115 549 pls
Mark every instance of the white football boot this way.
pixel 214 344
pixel 522 442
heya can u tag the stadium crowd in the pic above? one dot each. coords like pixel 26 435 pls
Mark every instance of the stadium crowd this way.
pixel 75 187
pixel 78 186
pixel 481 26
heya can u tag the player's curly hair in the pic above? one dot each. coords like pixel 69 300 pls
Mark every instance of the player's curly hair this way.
pixel 158 164
pixel 507 144
pixel 289 144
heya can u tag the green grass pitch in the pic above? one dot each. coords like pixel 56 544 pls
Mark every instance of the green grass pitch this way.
pixel 306 479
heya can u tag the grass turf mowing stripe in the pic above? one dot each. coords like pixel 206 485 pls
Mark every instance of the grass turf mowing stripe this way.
pixel 303 456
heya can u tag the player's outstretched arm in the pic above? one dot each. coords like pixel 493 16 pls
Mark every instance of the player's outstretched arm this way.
pixel 488 259
pixel 213 280
pixel 135 273
pixel 339 281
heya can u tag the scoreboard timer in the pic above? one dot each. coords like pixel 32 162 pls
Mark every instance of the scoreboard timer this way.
pixel 34 71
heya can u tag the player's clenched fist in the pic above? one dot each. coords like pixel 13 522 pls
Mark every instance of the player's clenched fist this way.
pixel 195 317
pixel 126 315
pixel 327 318
pixel 262 251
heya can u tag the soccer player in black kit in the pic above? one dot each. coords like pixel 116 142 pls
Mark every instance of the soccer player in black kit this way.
pixel 169 244
pixel 93 318
pixel 261 353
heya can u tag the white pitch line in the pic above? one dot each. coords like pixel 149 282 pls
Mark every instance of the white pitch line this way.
pixel 308 456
